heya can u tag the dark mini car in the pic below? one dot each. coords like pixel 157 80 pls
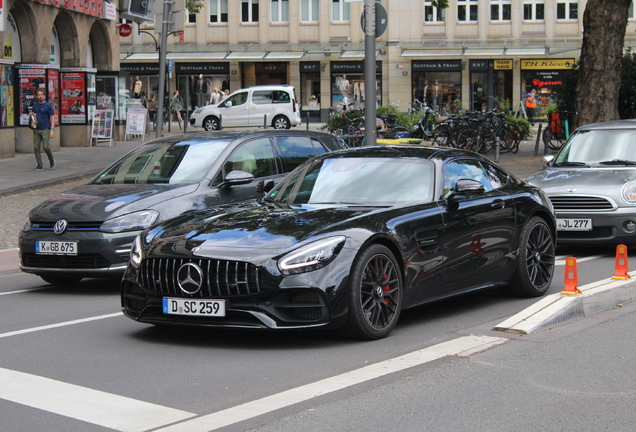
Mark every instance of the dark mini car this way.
pixel 592 184
pixel 88 231
pixel 347 241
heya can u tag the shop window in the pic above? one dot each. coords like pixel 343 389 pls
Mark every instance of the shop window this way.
pixel 280 11
pixel 500 10
pixel 438 89
pixel 568 10
pixel 309 10
pixel 467 10
pixel 340 11
pixel 433 14
pixel 533 10
pixel 218 11
pixel 249 11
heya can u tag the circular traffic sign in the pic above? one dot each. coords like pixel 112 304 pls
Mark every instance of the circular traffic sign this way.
pixel 381 20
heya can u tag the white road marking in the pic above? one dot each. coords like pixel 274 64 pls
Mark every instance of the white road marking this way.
pixel 463 346
pixel 92 406
pixel 560 260
pixel 62 324
pixel 24 290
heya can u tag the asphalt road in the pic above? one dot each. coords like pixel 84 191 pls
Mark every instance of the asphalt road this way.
pixel 70 361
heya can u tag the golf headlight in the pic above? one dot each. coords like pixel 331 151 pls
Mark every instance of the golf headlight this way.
pixel 135 253
pixel 311 257
pixel 26 225
pixel 629 192
pixel 130 222
pixel 198 111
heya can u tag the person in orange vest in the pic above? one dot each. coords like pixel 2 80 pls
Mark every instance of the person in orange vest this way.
pixel 531 105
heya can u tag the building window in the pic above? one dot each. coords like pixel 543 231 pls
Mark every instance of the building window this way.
pixel 630 13
pixel 191 18
pixel 249 11
pixel 280 10
pixel 309 10
pixel 433 14
pixel 218 11
pixel 500 10
pixel 533 10
pixel 467 10
pixel 340 10
pixel 568 10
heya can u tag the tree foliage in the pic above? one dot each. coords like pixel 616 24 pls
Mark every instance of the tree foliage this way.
pixel 627 93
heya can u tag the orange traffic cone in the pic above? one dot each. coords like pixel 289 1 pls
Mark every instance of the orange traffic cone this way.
pixel 571 277
pixel 621 263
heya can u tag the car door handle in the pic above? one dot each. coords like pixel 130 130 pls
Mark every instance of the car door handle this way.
pixel 498 204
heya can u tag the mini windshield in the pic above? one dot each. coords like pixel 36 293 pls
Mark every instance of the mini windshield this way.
pixel 599 147
pixel 359 181
pixel 183 162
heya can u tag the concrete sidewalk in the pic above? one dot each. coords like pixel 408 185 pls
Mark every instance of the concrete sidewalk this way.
pixel 18 174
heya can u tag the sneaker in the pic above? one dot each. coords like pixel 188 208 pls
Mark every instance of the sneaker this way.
pixel 38 168
pixel 52 164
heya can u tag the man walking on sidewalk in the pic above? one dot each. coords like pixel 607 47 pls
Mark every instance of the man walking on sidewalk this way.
pixel 45 129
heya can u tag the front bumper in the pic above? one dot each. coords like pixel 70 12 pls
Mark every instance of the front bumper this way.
pixel 100 255
pixel 607 228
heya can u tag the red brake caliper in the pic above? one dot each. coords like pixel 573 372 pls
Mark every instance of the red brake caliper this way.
pixel 386 289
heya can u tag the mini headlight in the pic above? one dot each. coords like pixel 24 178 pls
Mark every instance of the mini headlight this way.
pixel 130 222
pixel 312 256
pixel 26 225
pixel 135 253
pixel 629 192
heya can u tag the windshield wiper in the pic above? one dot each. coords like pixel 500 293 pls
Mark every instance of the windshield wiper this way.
pixel 618 162
pixel 570 163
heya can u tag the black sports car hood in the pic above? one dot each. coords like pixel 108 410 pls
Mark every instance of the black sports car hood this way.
pixel 253 226
pixel 100 202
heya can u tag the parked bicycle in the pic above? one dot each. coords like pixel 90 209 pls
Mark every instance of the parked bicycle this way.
pixel 557 131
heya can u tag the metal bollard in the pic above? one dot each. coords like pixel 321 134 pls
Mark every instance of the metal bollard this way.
pixel 307 120
pixel 220 121
pixel 265 121
pixel 536 145
pixel 497 144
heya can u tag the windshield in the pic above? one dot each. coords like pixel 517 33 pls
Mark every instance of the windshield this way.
pixel 359 181
pixel 599 147
pixel 183 162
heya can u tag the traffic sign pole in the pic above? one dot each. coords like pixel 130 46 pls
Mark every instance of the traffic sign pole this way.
pixel 370 125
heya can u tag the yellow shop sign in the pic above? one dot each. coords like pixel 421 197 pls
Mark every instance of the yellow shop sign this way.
pixel 547 64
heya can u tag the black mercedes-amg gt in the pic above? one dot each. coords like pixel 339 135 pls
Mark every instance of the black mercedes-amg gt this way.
pixel 347 241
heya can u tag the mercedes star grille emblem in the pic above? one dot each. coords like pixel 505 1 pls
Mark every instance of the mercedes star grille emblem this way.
pixel 60 226
pixel 190 278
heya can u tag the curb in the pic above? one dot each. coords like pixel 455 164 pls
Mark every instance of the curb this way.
pixel 558 309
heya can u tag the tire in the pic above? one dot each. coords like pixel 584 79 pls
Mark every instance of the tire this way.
pixel 61 280
pixel 211 124
pixel 469 139
pixel 535 262
pixel 375 294
pixel 553 142
pixel 281 122
pixel 442 136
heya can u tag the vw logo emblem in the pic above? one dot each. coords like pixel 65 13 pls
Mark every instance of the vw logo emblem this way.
pixel 60 226
pixel 190 278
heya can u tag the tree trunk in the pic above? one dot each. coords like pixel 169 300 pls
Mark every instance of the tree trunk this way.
pixel 599 77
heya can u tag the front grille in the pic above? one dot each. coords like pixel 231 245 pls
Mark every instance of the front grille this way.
pixel 81 261
pixel 573 203
pixel 72 226
pixel 220 278
pixel 594 233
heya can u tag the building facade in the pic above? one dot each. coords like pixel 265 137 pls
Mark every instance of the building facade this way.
pixel 476 53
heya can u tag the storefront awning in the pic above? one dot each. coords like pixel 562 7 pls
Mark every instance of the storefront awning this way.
pixel 285 55
pixel 355 54
pixel 489 52
pixel 431 53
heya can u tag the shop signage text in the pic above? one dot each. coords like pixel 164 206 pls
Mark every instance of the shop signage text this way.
pixel 547 64
pixel 352 67
pixel 88 7
pixel 201 68
pixel 503 64
pixel 436 65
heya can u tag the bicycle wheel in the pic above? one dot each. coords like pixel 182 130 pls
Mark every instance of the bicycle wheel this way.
pixel 442 136
pixel 470 139
pixel 554 142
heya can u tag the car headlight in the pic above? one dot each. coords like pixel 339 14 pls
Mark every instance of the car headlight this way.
pixel 629 192
pixel 26 225
pixel 311 257
pixel 130 222
pixel 135 253
pixel 198 111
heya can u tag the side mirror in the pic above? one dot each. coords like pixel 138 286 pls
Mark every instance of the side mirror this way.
pixel 237 177
pixel 464 187
pixel 547 160
pixel 227 104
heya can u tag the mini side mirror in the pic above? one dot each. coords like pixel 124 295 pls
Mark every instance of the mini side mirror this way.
pixel 237 177
pixel 547 160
